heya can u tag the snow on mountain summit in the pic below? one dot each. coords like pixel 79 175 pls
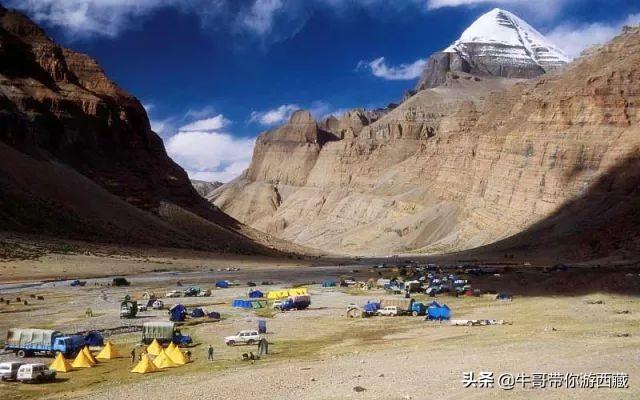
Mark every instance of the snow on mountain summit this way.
pixel 502 33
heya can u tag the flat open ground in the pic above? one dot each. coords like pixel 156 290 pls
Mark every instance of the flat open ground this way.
pixel 321 354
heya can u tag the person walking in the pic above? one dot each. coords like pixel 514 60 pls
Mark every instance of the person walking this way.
pixel 133 355
pixel 210 353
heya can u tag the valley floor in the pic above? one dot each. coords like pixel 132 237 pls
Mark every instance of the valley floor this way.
pixel 320 353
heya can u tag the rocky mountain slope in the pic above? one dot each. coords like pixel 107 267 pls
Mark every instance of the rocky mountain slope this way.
pixel 79 160
pixel 498 43
pixel 205 188
pixel 549 163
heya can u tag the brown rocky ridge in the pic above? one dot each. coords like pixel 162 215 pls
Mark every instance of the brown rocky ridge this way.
pixel 548 164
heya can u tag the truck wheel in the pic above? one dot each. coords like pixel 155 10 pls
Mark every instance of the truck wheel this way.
pixel 231 342
pixel 21 353
pixel 415 313
pixel 250 342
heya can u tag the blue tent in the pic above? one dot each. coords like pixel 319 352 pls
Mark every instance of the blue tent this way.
pixel 437 311
pixel 94 338
pixel 222 284
pixel 371 306
pixel 177 313
pixel 197 312
pixel 241 303
pixel 214 315
pixel 255 294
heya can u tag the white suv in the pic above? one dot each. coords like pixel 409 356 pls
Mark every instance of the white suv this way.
pixel 243 337
pixel 390 311
pixel 35 373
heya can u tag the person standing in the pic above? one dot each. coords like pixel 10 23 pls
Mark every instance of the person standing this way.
pixel 133 355
pixel 210 353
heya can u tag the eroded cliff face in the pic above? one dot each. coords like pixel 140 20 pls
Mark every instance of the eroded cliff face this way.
pixel 78 158
pixel 468 163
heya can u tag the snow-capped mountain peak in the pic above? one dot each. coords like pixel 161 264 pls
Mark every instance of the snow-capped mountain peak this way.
pixel 506 34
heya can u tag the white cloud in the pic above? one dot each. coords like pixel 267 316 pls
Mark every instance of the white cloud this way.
pixel 574 38
pixel 210 155
pixel 281 114
pixel 206 125
pixel 274 116
pixel 543 9
pixel 380 69
pixel 259 18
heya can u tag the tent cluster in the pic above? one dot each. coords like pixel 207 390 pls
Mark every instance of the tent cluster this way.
pixel 84 359
pixel 284 293
pixel 249 303
pixel 168 357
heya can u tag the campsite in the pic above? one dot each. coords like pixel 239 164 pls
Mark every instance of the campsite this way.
pixel 322 345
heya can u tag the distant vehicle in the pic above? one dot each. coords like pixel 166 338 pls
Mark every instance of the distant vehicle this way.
pixel 163 332
pixel 277 304
pixel 243 337
pixel 35 373
pixel 158 305
pixel 9 371
pixel 205 293
pixel 173 293
pixel 128 309
pixel 297 302
pixel 77 283
pixel 390 311
pixel 28 342
pixel 192 291
pixel 120 281
pixel 418 308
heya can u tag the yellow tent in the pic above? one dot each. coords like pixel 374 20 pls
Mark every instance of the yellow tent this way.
pixel 108 352
pixel 145 366
pixel 90 356
pixel 164 361
pixel 177 356
pixel 154 348
pixel 60 364
pixel 81 361
pixel 170 348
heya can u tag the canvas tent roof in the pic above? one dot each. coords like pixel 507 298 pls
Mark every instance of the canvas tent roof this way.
pixel 61 364
pixel 81 361
pixel 164 361
pixel 177 356
pixel 154 348
pixel 108 352
pixel 145 366
pixel 90 356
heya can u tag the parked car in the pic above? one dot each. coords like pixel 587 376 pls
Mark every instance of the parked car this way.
pixel 158 305
pixel 9 371
pixel 120 281
pixel 390 311
pixel 243 337
pixel 205 293
pixel 35 373
pixel 173 293
pixel 277 304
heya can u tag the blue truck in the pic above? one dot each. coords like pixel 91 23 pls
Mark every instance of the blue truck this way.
pixel 418 308
pixel 29 342
pixel 297 302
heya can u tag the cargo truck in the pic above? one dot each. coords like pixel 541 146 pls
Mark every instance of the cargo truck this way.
pixel 163 332
pixel 297 302
pixel 29 342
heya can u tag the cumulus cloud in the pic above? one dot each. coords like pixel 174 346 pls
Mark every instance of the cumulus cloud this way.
pixel 543 9
pixel 574 38
pixel 260 16
pixel 281 114
pixel 274 116
pixel 211 156
pixel 207 124
pixel 379 68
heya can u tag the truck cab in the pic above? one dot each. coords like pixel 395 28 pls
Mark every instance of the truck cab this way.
pixel 67 345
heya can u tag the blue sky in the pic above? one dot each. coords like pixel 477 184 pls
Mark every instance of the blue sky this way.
pixel 215 73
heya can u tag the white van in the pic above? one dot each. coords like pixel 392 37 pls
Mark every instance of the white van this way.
pixel 9 371
pixel 35 373
pixel 390 311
